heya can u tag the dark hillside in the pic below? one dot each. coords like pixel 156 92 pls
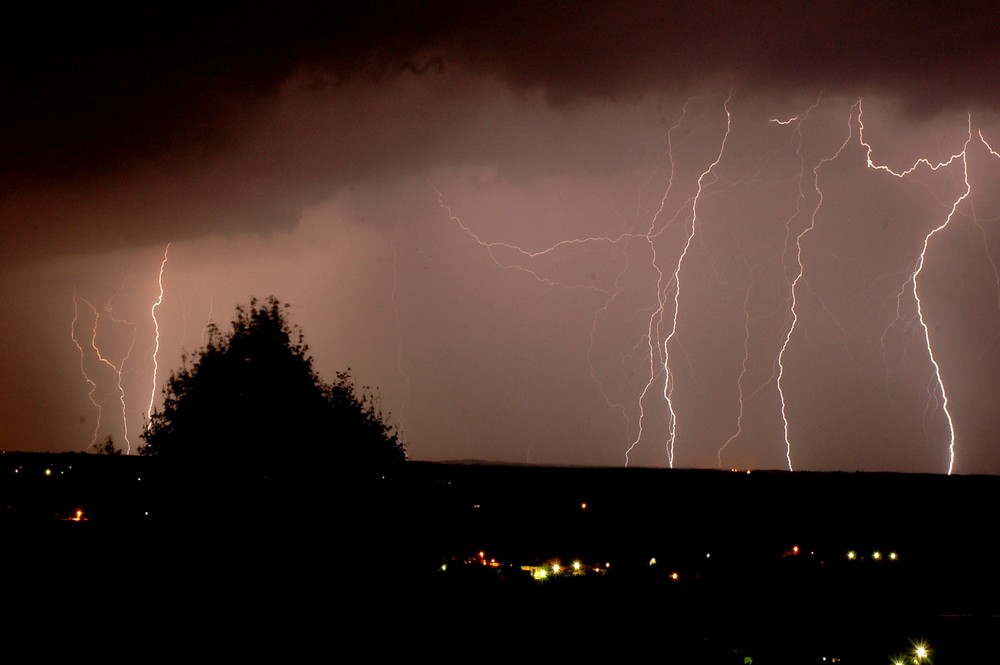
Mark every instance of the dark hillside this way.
pixel 775 566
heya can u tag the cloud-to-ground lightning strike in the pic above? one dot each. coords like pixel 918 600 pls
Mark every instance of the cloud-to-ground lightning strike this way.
pixel 668 383
pixel 659 348
pixel 156 332
pixel 97 352
pixel 102 357
pixel 656 338
pixel 109 308
pixel 118 369
pixel 93 386
pixel 800 271
pixel 680 207
pixel 914 277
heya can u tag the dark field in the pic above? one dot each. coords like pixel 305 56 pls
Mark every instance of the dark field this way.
pixel 677 566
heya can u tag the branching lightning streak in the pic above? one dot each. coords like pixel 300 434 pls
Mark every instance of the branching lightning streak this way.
pixel 86 377
pixel 746 356
pixel 793 290
pixel 491 248
pixel 156 332
pixel 667 280
pixel 661 350
pixel 681 215
pixel 117 369
pixel 668 384
pixel 914 277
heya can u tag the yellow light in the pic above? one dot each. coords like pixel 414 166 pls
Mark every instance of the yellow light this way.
pixel 48 472
pixel 877 555
pixel 674 576
pixel 576 565
pixel 893 556
pixel 652 561
pixel 921 651
pixel 852 555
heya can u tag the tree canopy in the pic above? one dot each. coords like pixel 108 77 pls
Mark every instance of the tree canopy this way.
pixel 252 398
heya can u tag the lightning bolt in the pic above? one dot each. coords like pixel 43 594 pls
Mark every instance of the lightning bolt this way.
pixel 659 345
pixel 156 332
pixel 675 224
pixel 668 383
pixel 118 364
pixel 914 278
pixel 794 287
pixel 746 358
pixel 93 386
pixel 116 368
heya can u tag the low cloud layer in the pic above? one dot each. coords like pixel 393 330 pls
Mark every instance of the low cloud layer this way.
pixel 122 123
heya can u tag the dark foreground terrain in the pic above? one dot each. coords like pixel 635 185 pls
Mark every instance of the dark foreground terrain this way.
pixel 446 560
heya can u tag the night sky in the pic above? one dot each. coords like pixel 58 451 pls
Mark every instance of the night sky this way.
pixel 515 221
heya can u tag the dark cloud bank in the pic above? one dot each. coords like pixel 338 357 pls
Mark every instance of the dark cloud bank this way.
pixel 130 121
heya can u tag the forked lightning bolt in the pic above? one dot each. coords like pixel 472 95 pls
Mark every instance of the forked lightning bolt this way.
pixel 914 277
pixel 156 332
pixel 794 288
pixel 657 337
pixel 83 370
pixel 115 363
pixel 682 207
pixel 668 380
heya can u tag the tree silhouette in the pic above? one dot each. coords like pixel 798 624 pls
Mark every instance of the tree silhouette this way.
pixel 108 447
pixel 250 399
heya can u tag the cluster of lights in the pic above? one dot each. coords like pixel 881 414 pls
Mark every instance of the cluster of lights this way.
pixel 481 559
pixel 921 653
pixel 877 555
pixel 577 568
pixel 555 568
